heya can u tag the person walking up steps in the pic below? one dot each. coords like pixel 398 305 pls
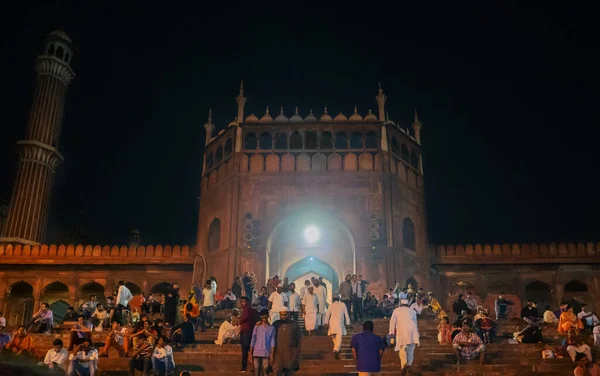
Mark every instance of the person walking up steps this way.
pixel 404 334
pixel 335 318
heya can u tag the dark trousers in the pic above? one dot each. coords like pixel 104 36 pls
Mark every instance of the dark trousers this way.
pixel 245 343
pixel 348 304
pixel 294 315
pixel 143 364
pixel 357 308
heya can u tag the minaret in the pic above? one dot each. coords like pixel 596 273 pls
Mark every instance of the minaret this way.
pixel 381 103
pixel 417 128
pixel 241 101
pixel 38 152
pixel 209 126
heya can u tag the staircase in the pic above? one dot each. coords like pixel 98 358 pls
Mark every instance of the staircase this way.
pixel 503 359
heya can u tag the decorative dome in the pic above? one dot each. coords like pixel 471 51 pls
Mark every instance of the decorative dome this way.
pixel 251 119
pixel 340 117
pixel 296 118
pixel 266 117
pixel 326 117
pixel 60 34
pixel 371 117
pixel 281 117
pixel 355 116
pixel 310 117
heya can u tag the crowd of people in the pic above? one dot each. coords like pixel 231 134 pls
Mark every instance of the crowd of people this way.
pixel 268 325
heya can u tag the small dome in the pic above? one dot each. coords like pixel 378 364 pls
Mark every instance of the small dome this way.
pixel 134 231
pixel 310 117
pixel 251 119
pixel 326 117
pixel 281 117
pixel 296 118
pixel 371 117
pixel 60 34
pixel 340 117
pixel 266 117
pixel 355 116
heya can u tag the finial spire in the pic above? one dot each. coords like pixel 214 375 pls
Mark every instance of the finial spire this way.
pixel 416 125
pixel 267 110
pixel 416 116
pixel 325 109
pixel 209 126
pixel 241 101
pixel 296 109
pixel 282 110
pixel 355 109
pixel 381 103
pixel 242 86
pixel 210 116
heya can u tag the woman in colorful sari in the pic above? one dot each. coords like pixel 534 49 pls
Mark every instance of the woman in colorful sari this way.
pixel 568 320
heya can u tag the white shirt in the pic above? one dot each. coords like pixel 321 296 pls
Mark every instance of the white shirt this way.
pixel 303 291
pixel 56 357
pixel 403 323
pixel 336 317
pixel 357 289
pixel 590 320
pixel 164 353
pixel 209 297
pixel 294 300
pixel 417 308
pixel 229 296
pixel 322 298
pixel 92 356
pixel 278 301
pixel 123 296
pixel 310 301
pixel 2 321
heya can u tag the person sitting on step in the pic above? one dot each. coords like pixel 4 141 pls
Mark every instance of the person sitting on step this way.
pixel 501 306
pixel 56 358
pixel 229 329
pixel 100 318
pixel 573 345
pixel 444 331
pixel 585 367
pixel 162 358
pixel 141 359
pixel 81 331
pixel 21 344
pixel 468 345
pixel 549 316
pixel 568 320
pixel 588 318
pixel 84 360
pixel 43 320
pixel 183 333
pixel 116 339
pixel 485 328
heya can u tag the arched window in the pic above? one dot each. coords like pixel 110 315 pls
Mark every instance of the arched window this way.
pixel 310 138
pixel 395 146
pixel 296 140
pixel 281 141
pixel 326 141
pixel 210 161
pixel 414 159
pixel 404 152
pixel 219 155
pixel 214 235
pixel 265 141
pixel 371 141
pixel 67 57
pixel 59 52
pixel 341 140
pixel 51 50
pixel 228 146
pixel 356 140
pixel 250 142
pixel 408 234
pixel 575 286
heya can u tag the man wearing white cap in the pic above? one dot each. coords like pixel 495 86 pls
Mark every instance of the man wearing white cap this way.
pixel 335 318
pixel 277 300
pixel 404 333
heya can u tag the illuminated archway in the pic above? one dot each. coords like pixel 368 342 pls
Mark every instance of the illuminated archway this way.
pixel 289 243
pixel 309 267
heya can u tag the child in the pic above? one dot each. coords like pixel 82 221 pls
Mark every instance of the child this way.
pixel 486 327
pixel 444 332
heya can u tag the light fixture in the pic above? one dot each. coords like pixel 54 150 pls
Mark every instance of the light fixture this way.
pixel 311 234
pixel 311 259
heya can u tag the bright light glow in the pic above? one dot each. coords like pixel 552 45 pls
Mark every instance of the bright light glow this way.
pixel 311 259
pixel 311 234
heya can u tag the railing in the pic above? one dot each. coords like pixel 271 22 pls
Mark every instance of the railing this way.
pixel 88 254
pixel 509 253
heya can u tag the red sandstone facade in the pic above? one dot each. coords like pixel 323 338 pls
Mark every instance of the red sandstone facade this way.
pixel 358 180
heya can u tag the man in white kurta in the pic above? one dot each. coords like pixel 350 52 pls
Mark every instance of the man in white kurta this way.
pixel 403 325
pixel 321 294
pixel 276 301
pixel 337 316
pixel 310 304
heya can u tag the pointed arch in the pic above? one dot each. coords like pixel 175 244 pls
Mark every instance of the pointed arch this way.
pixel 408 234
pixel 214 235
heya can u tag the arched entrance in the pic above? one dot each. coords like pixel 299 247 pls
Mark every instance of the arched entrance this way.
pixel 575 293
pixel 541 293
pixel 311 241
pixel 89 289
pixel 55 291
pixel 20 304
pixel 310 267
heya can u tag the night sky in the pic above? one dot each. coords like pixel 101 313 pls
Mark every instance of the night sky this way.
pixel 508 97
